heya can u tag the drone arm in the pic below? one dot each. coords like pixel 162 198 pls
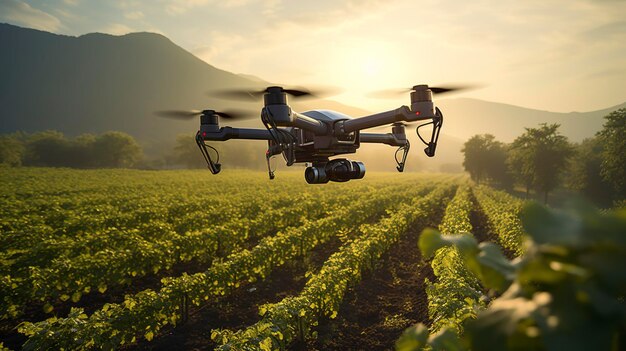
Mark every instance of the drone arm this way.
pixel 400 114
pixel 388 139
pixel 227 133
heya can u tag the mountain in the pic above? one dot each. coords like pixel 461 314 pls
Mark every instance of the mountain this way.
pixel 466 117
pixel 98 82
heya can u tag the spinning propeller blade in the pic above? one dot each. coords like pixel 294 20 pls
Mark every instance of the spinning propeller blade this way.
pixel 394 93
pixel 178 114
pixel 229 114
pixel 255 94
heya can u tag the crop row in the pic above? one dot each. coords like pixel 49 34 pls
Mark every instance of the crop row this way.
pixel 88 228
pixel 502 211
pixel 295 317
pixel 67 278
pixel 452 298
pixel 145 313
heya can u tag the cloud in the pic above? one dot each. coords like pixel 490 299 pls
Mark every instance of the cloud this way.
pixel 177 7
pixel 134 15
pixel 606 73
pixel 610 31
pixel 324 13
pixel 20 13
pixel 118 29
pixel 221 44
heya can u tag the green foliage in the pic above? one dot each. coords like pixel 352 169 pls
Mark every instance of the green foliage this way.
pixel 11 151
pixel 48 148
pixel 456 291
pixel 585 176
pixel 485 158
pixel 295 317
pixel 613 136
pixel 539 157
pixel 115 150
pixel 502 211
pixel 52 149
pixel 144 314
pixel 566 293
pixel 100 229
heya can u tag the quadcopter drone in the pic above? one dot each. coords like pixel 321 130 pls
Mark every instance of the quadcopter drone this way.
pixel 313 137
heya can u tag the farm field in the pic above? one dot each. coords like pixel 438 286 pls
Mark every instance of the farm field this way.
pixel 182 259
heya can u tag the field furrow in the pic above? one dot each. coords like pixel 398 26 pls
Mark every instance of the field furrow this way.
pixel 144 314
pixel 294 317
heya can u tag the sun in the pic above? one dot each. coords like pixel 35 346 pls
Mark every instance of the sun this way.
pixel 371 67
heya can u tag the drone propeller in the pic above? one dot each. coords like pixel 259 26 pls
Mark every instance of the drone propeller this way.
pixel 189 114
pixel 394 93
pixel 255 94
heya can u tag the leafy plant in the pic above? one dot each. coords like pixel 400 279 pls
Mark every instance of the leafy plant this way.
pixel 566 293
pixel 144 314
pixel 294 318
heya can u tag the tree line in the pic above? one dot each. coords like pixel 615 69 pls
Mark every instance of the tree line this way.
pixel 114 150
pixel 542 159
pixel 52 149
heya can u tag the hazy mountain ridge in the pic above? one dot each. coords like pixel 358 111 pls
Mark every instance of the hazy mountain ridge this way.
pixel 98 82
pixel 465 117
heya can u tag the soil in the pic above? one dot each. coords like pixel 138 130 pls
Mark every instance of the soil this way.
pixel 94 301
pixel 388 300
pixel 240 308
pixel 482 230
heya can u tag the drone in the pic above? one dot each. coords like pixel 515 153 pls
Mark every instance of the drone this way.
pixel 313 137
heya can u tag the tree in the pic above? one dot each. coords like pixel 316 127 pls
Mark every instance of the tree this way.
pixel 186 152
pixel 474 160
pixel 485 158
pixel 11 151
pixel 539 157
pixel 497 169
pixel 613 135
pixel 586 172
pixel 47 148
pixel 116 149
pixel 82 151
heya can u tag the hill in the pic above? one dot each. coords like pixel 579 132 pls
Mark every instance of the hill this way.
pixel 99 82
pixel 466 117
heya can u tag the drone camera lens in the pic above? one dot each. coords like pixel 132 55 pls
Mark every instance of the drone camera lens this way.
pixel 358 170
pixel 315 175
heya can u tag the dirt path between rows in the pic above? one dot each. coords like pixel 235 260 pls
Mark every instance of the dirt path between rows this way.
pixel 386 301
pixel 240 308
pixel 482 230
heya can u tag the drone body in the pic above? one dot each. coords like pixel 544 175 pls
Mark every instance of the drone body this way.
pixel 313 137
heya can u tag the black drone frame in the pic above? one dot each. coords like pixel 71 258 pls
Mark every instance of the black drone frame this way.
pixel 316 135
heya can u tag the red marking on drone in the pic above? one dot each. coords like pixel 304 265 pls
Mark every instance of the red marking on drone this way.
pixel 417 113
pixel 203 134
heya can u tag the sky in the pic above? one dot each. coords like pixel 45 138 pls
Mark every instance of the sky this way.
pixel 555 55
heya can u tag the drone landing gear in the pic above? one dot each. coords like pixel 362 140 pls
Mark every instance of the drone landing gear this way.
pixel 214 167
pixel 400 166
pixel 337 170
